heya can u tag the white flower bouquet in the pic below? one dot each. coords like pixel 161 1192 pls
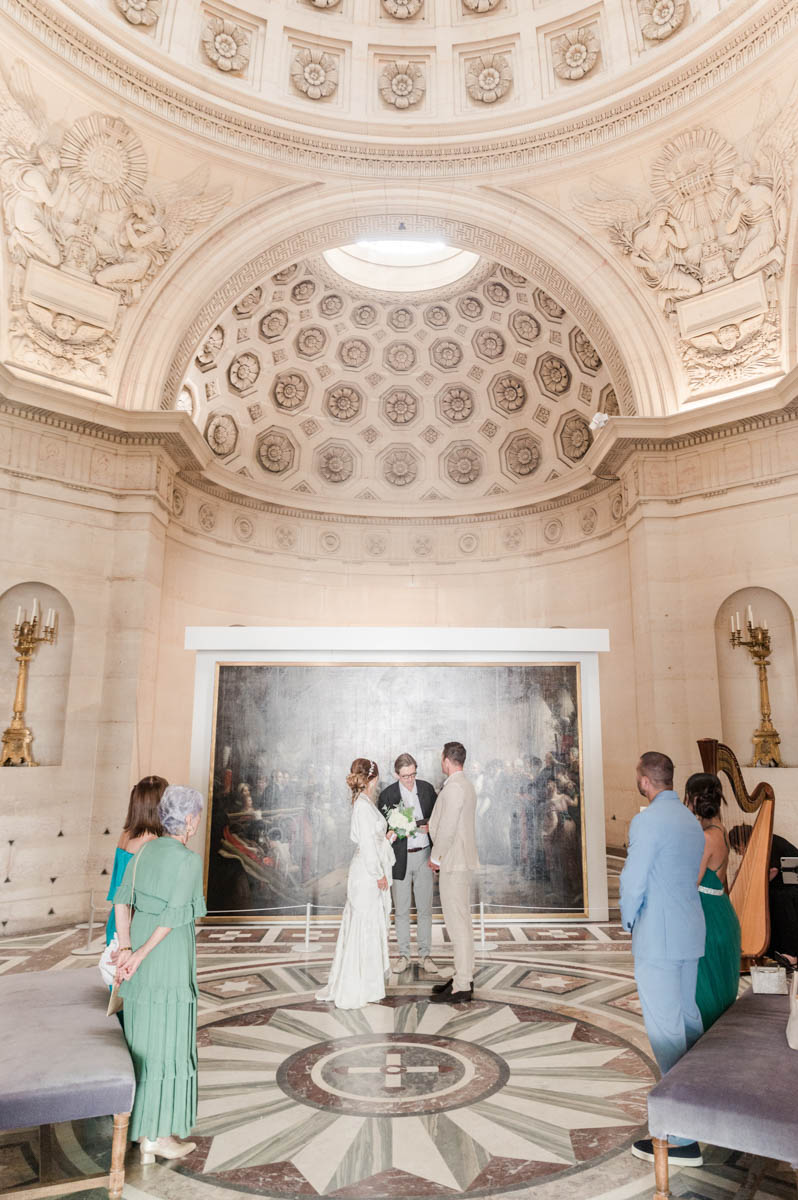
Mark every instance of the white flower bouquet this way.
pixel 402 822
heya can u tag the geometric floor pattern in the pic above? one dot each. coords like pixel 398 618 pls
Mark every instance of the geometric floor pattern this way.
pixel 534 1091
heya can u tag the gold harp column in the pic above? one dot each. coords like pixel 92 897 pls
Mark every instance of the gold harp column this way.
pixel 17 739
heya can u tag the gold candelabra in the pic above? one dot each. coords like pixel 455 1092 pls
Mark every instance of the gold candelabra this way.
pixel 766 740
pixel 17 738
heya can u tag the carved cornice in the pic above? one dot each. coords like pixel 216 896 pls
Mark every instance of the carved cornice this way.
pixel 252 135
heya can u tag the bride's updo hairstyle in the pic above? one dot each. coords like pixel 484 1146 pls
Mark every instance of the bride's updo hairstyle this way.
pixel 362 771
pixel 704 795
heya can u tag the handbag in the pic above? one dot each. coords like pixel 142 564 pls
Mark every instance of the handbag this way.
pixel 108 968
pixel 769 981
pixel 792 1019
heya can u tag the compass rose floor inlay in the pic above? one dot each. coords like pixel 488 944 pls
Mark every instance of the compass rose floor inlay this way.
pixel 534 1091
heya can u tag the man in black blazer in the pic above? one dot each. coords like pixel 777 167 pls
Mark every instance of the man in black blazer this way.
pixel 411 873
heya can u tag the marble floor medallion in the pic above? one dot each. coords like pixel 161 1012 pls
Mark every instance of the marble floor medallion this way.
pixel 409 1098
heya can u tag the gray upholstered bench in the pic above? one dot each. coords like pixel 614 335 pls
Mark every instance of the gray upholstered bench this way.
pixel 62 1059
pixel 737 1087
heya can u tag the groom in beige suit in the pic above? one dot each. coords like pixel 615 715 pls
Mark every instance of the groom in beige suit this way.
pixel 454 855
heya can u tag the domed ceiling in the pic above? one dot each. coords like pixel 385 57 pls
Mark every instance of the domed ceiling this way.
pixel 317 388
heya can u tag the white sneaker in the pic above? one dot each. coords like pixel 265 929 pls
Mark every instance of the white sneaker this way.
pixel 429 966
pixel 400 964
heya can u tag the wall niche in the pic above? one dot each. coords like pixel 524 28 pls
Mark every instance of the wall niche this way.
pixel 48 674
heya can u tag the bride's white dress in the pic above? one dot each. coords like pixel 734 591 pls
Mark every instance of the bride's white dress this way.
pixel 361 963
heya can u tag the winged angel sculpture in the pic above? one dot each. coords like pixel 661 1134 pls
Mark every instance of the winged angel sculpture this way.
pixel 80 202
pixel 713 214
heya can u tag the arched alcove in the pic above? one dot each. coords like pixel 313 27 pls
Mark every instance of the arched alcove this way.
pixel 48 677
pixel 738 678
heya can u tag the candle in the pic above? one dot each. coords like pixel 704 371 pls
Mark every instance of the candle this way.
pixel 750 616
pixel 765 626
pixel 737 615
pixel 731 618
pixel 19 615
pixel 50 618
pixel 35 613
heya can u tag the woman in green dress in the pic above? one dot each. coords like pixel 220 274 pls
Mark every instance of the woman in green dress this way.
pixel 719 969
pixel 157 964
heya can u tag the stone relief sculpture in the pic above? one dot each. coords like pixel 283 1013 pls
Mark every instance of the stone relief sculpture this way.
pixel 400 467
pixel 344 402
pixel 660 18
pixel 275 452
pixel 209 350
pixel 522 454
pixel 713 224
pixel 79 203
pixel 402 9
pixel 314 73
pixel 488 78
pixel 575 53
pixel 221 434
pixel 140 12
pixel 336 464
pixel 402 83
pixel 226 44
pixel 480 6
pixel 575 437
pixel 463 464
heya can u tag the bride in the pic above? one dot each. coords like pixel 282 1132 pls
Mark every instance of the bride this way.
pixel 361 964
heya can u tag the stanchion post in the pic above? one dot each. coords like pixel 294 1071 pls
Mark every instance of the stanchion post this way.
pixel 87 951
pixel 485 947
pixel 306 947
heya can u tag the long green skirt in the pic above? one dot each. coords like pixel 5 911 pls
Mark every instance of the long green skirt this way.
pixel 719 969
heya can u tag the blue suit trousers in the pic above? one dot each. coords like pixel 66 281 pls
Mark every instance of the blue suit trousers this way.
pixel 667 995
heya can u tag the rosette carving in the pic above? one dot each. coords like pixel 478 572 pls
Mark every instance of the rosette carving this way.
pixel 585 351
pixel 446 354
pixel 463 464
pixel 364 315
pixel 354 353
pixel 314 73
pixel 311 341
pixel 226 44
pixel 336 464
pixel 480 6
pixel 402 9
pixel 575 437
pixel 522 454
pixel 497 293
pixel 209 350
pixel 331 304
pixel 508 393
pixel 400 356
pixel 274 324
pixel 140 12
pixel 401 319
pixel 575 52
pixel 302 292
pixel 275 452
pixel 525 327
pixel 286 273
pixel 400 466
pixel 470 307
pixel 456 403
pixel 488 78
pixel 243 371
pixel 660 18
pixel 553 374
pixel 344 402
pixel 548 305
pixel 221 434
pixel 514 278
pixel 207 517
pixel 437 315
pixel 400 406
pixel 290 390
pixel 489 344
pixel 402 83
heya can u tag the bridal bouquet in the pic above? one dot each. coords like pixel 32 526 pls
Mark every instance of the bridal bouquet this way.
pixel 402 821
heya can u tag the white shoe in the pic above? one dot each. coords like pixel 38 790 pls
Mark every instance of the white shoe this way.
pixel 164 1147
pixel 400 964
pixel 429 966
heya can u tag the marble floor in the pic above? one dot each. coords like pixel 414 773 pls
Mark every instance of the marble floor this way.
pixel 535 1089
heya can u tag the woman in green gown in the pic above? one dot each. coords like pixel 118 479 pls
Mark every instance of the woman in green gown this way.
pixel 719 969
pixel 157 964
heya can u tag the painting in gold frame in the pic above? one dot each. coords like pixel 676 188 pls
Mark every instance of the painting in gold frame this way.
pixel 284 735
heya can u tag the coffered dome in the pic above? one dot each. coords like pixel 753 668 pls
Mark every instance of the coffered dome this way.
pixel 311 385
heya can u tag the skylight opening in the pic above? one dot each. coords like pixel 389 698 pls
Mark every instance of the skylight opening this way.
pixel 401 264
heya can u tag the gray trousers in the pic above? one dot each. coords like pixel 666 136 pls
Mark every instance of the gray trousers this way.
pixel 418 877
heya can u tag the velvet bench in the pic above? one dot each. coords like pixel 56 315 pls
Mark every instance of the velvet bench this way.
pixel 63 1059
pixel 737 1087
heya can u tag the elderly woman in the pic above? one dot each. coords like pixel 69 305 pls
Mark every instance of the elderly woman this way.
pixel 157 967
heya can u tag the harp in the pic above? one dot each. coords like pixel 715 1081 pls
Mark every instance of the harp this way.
pixel 748 883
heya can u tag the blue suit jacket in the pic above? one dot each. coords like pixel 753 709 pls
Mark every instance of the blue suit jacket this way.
pixel 659 882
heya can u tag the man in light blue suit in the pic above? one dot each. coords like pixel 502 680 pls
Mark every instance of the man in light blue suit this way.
pixel 661 906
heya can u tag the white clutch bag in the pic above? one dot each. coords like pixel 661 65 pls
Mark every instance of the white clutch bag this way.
pixel 107 968
pixel 770 981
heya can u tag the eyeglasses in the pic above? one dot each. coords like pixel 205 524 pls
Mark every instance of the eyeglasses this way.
pixel 407 774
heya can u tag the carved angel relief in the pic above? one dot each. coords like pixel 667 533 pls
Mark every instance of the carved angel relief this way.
pixel 85 230
pixel 713 225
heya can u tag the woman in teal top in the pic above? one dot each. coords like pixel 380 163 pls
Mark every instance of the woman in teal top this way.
pixel 157 968
pixel 719 969
pixel 142 824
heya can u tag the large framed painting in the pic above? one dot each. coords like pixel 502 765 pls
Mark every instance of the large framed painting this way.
pixel 282 729
pixel 285 736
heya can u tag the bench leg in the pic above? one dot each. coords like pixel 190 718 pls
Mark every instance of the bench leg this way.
pixel 661 1168
pixel 116 1178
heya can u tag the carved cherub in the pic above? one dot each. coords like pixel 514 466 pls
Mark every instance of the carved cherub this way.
pixel 31 180
pixel 154 227
pixel 63 336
